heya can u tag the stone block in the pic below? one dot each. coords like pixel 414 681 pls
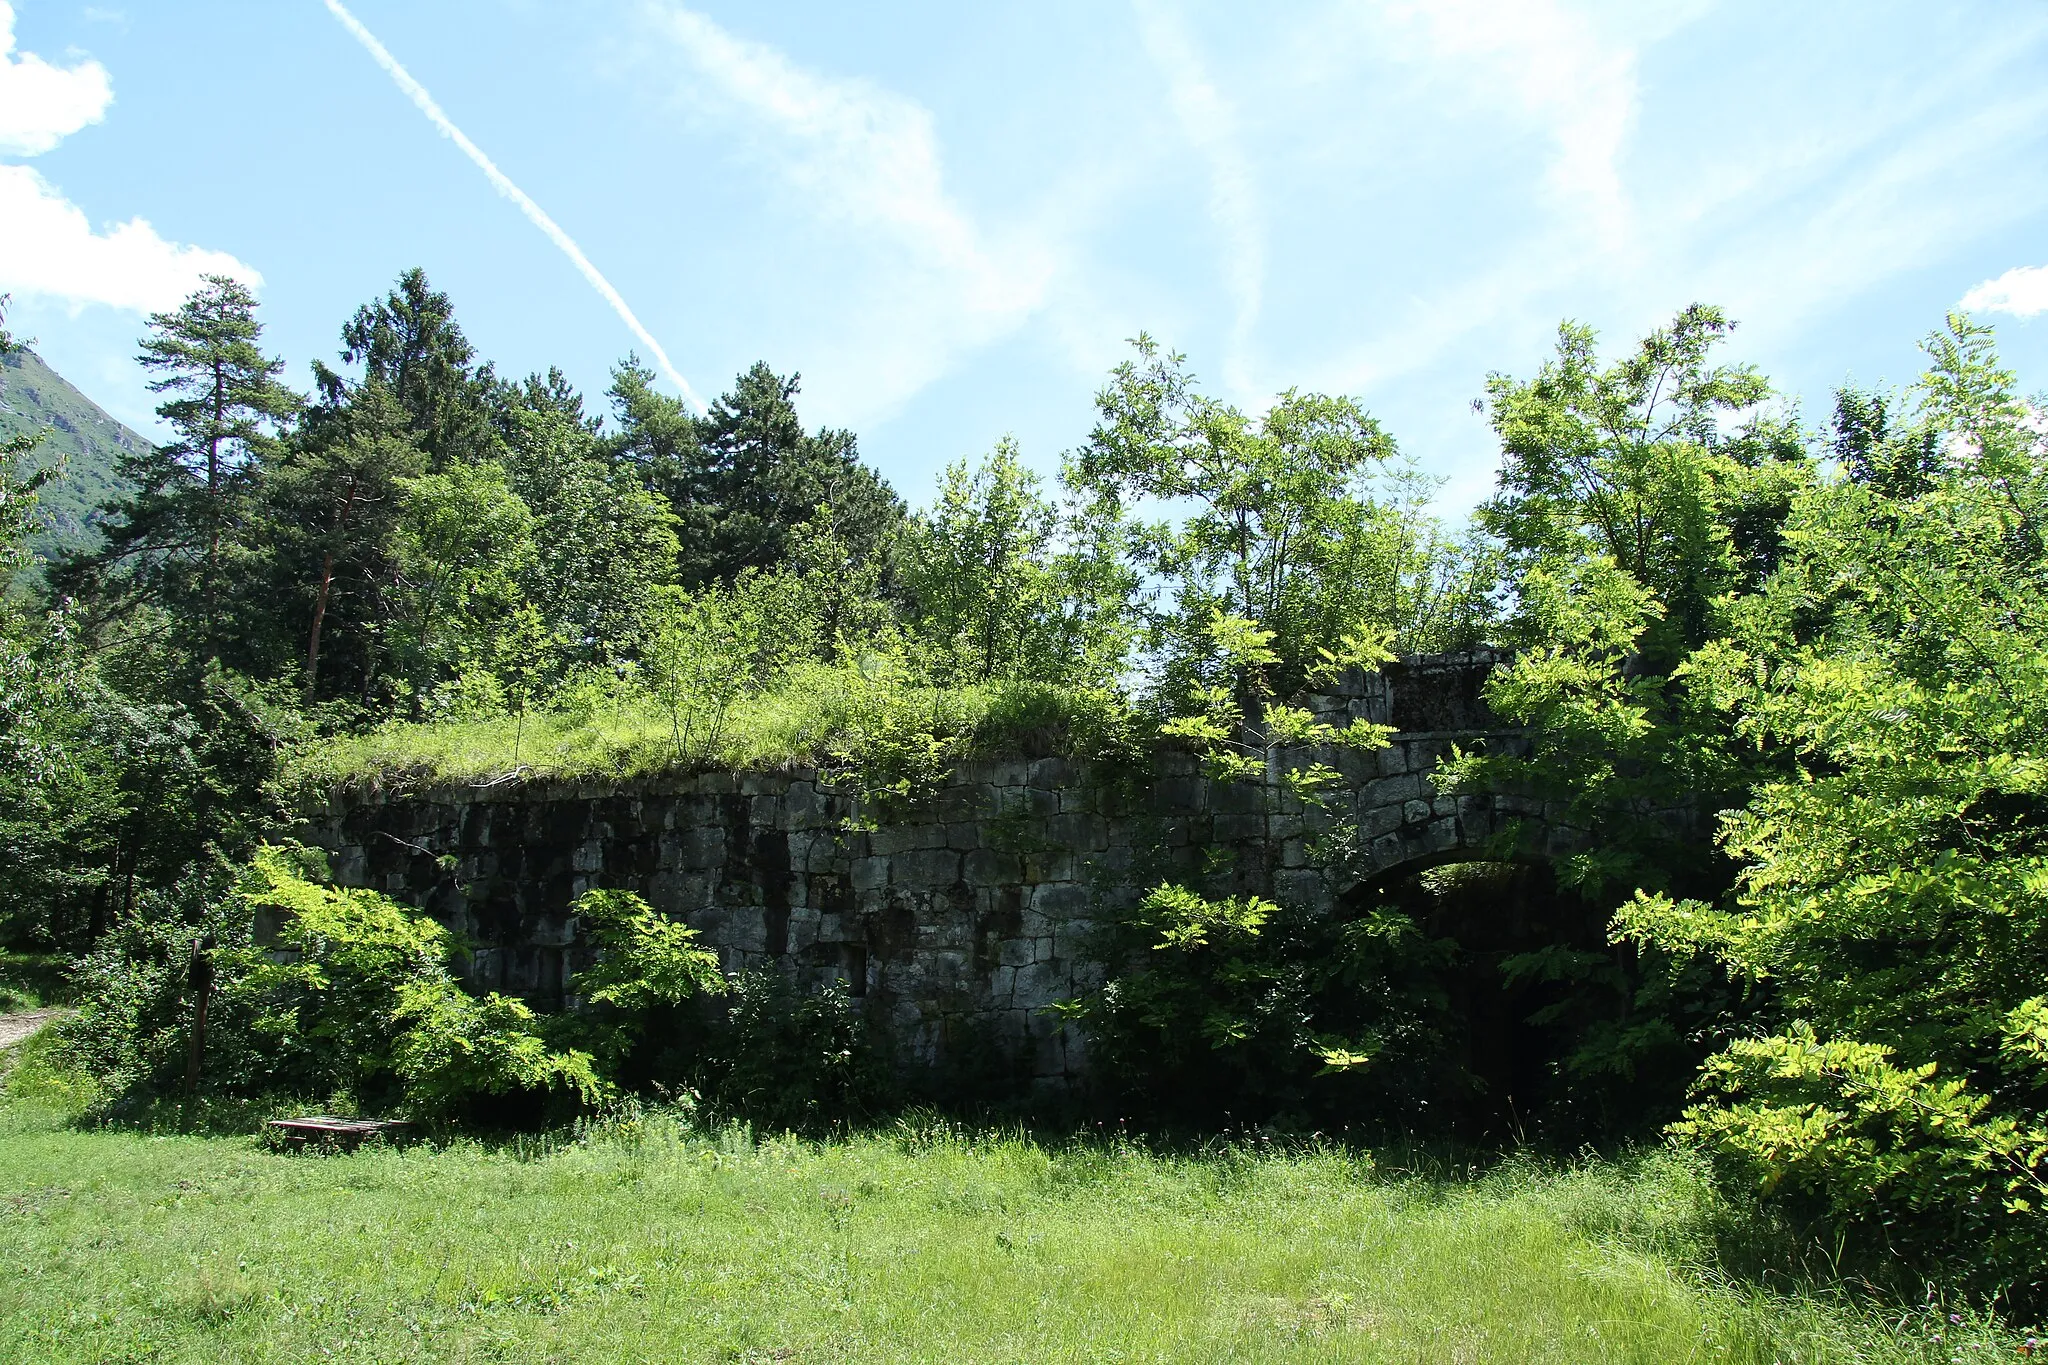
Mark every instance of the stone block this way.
pixel 1415 812
pixel 1014 773
pixel 700 848
pixel 963 836
pixel 1235 828
pixel 870 873
pixel 964 801
pixel 1047 867
pixel 902 838
pixel 1015 952
pixel 925 867
pixel 1050 774
pixel 1386 850
pixel 1077 833
pixel 988 867
pixel 1031 801
pixel 1442 835
pixel 1176 795
pixel 1059 901
pixel 1392 791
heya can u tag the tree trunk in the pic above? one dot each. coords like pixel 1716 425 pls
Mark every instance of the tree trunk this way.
pixel 319 615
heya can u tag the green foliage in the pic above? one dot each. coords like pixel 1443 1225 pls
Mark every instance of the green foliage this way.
pixel 1186 920
pixel 1235 1006
pixel 81 446
pixel 1912 1166
pixel 33 980
pixel 1893 897
pixel 703 656
pixel 1002 585
pixel 177 545
pixel 647 964
pixel 1668 466
pixel 462 542
pixel 605 726
pixel 452 1048
pixel 743 477
pixel 1237 747
pixel 351 996
pixel 1280 528
pixel 788 1059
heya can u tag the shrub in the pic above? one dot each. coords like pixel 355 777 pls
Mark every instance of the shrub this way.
pixel 785 1058
pixel 1916 1167
pixel 354 1002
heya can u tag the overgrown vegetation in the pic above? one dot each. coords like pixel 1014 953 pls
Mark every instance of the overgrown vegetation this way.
pixel 1785 683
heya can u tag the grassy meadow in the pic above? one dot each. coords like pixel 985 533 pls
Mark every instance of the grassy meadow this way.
pixel 652 1239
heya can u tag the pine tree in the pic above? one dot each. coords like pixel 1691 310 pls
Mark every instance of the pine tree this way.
pixel 170 544
pixel 745 475
pixel 409 341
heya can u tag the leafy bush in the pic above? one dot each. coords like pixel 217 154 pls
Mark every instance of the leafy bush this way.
pixel 1893 898
pixel 1235 1007
pixel 785 1058
pixel 32 980
pixel 354 1001
pixel 1912 1166
pixel 647 965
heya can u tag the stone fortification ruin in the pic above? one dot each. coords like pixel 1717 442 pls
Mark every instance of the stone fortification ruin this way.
pixel 960 921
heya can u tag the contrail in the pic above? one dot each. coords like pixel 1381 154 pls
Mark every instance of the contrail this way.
pixel 534 213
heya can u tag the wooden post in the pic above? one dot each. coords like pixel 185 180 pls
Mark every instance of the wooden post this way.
pixel 200 975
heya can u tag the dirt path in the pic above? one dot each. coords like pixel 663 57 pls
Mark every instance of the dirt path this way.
pixel 15 1027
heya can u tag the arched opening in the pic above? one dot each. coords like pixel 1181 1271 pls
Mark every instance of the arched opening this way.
pixel 1522 976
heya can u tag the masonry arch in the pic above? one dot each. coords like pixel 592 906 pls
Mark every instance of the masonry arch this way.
pixel 1518 970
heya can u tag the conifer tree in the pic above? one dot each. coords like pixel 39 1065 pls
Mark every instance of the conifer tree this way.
pixel 170 543
pixel 410 342
pixel 746 474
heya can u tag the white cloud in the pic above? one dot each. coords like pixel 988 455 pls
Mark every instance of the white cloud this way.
pixel 41 104
pixel 2021 291
pixel 865 162
pixel 1210 122
pixel 48 248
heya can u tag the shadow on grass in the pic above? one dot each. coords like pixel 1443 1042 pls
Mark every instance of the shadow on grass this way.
pixel 31 981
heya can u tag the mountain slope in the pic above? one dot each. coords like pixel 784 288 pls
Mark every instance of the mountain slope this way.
pixel 77 432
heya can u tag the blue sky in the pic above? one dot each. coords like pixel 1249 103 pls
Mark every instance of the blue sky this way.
pixel 949 217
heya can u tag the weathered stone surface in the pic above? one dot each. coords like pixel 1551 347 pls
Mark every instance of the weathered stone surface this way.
pixel 957 924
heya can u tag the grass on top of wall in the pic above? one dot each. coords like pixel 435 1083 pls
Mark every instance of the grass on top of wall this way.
pixel 803 719
pixel 647 1238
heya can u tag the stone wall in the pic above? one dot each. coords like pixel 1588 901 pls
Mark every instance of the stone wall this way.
pixel 958 922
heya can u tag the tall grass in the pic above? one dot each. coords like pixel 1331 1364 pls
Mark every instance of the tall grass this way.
pixel 648 1239
pixel 802 719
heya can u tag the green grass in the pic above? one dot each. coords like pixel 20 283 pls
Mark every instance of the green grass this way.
pixel 650 1240
pixel 32 980
pixel 810 712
